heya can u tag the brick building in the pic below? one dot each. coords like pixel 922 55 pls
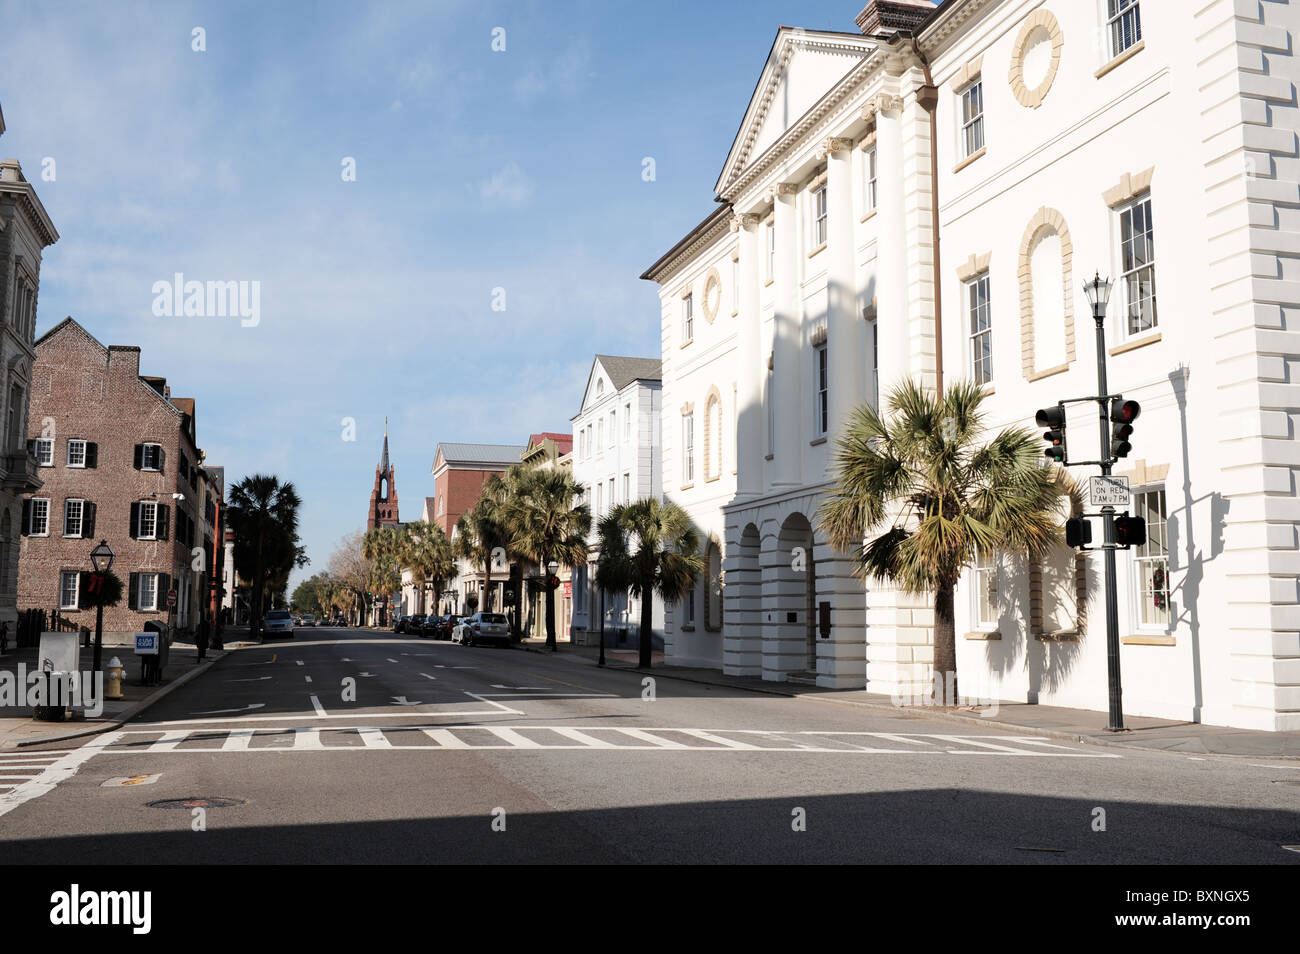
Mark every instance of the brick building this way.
pixel 118 459
pixel 25 231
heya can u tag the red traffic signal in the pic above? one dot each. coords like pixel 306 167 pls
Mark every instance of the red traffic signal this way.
pixel 1122 415
pixel 1130 531
pixel 1053 418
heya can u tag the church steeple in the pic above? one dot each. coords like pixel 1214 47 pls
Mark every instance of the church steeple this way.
pixel 383 499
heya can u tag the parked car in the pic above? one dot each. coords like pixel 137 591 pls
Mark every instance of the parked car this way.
pixel 448 625
pixel 277 622
pixel 399 623
pixel 414 624
pixel 432 626
pixel 308 619
pixel 481 628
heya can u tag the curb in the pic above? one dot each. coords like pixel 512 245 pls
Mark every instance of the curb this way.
pixel 135 710
pixel 923 713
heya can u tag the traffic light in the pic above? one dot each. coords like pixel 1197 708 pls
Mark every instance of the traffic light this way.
pixel 1130 531
pixel 1122 415
pixel 1078 532
pixel 1053 418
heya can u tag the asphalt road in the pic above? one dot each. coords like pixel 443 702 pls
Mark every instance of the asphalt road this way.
pixel 346 746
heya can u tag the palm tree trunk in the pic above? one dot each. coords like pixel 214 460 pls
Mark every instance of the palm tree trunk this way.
pixel 945 647
pixel 647 623
pixel 485 604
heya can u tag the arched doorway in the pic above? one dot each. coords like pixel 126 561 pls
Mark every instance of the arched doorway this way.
pixel 797 598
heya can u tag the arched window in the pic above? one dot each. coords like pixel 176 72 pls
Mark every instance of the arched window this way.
pixel 713 588
pixel 713 435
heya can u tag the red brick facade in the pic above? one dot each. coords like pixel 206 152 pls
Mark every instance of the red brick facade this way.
pixel 83 391
pixel 383 499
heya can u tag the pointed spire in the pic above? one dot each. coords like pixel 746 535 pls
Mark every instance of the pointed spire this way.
pixel 383 461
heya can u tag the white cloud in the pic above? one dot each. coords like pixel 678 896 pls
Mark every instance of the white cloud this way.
pixel 508 186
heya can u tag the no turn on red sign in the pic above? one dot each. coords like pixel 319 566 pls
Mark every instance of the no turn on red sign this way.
pixel 171 599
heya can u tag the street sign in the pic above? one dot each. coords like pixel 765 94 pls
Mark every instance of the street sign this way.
pixel 171 599
pixel 1108 492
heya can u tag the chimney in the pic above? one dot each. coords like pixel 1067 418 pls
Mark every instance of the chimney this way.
pixel 889 16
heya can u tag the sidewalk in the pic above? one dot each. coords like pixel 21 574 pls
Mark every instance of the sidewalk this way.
pixel 1076 725
pixel 17 727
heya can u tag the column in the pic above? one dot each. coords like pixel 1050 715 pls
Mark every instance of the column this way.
pixel 787 368
pixel 752 370
pixel 845 332
pixel 891 254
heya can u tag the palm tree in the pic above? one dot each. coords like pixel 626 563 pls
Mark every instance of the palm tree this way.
pixel 648 547
pixel 382 547
pixel 918 495
pixel 545 525
pixel 263 513
pixel 426 552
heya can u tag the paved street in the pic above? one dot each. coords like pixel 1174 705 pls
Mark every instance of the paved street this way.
pixel 348 746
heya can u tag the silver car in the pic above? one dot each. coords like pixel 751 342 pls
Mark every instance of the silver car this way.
pixel 480 628
pixel 277 622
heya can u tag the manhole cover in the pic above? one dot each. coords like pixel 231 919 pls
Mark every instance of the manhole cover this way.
pixel 197 802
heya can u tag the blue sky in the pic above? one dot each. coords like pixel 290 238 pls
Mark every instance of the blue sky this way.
pixel 475 170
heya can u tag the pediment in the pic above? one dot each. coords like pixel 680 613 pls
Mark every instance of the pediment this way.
pixel 802 67
pixel 599 385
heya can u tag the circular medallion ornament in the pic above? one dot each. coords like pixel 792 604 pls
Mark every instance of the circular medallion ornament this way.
pixel 712 295
pixel 1035 58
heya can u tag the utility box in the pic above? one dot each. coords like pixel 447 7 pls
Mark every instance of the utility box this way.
pixel 57 660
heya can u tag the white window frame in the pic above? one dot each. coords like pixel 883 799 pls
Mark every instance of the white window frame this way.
pixel 688 608
pixel 1145 555
pixel 972 138
pixel 139 530
pixel 1122 313
pixel 79 443
pixel 735 286
pixel 771 252
pixel 821 397
pixel 1123 25
pixel 975 310
pixel 45 451
pixel 139 596
pixel 144 456
pixel 869 180
pixel 627 421
pixel 64 575
pixel 627 487
pixel 688 448
pixel 818 209
pixel 688 318
pixel 45 532
pixel 600 498
pixel 984 582
pixel 81 516
pixel 613 428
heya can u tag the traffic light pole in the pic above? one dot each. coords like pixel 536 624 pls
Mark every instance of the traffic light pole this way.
pixel 1116 721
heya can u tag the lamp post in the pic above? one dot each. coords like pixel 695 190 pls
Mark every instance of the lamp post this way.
pixel 1098 293
pixel 101 558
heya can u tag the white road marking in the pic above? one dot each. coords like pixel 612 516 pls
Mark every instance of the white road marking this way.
pixel 170 739
pixel 969 740
pixel 247 708
pixel 308 678
pixel 299 662
pixel 513 737
pixel 58 771
pixel 308 738
pixel 655 740
pixel 237 741
pixel 315 704
pixel 1294 768
pixel 253 679
pixel 446 739
pixel 391 659
pixel 717 739
pixel 588 740
pixel 374 738
pixel 487 701
pixel 427 676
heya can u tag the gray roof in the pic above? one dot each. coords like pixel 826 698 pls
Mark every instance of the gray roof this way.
pixel 623 371
pixel 481 453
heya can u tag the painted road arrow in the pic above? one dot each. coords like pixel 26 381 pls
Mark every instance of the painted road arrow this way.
pixel 254 705
pixel 401 701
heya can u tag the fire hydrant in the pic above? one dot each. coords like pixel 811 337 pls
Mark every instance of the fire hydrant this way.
pixel 114 673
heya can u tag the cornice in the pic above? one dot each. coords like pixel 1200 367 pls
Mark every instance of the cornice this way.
pixel 951 18
pixel 26 199
pixel 706 233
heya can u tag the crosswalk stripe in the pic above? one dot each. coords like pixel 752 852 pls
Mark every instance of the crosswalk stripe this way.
pixel 968 740
pixel 308 738
pixel 237 741
pixel 588 740
pixel 717 739
pixel 513 737
pixel 374 738
pixel 446 739
pixel 170 739
pixel 654 739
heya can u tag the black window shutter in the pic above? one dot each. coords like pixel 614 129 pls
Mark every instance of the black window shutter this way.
pixel 164 521
pixel 27 516
pixel 87 519
pixel 92 454
pixel 139 456
pixel 135 520
pixel 164 585
pixel 161 457
pixel 133 591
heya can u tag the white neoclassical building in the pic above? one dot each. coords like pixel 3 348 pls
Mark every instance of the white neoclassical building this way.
pixel 924 198
pixel 615 458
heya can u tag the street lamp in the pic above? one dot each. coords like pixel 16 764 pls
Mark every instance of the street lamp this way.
pixel 101 558
pixel 1097 291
